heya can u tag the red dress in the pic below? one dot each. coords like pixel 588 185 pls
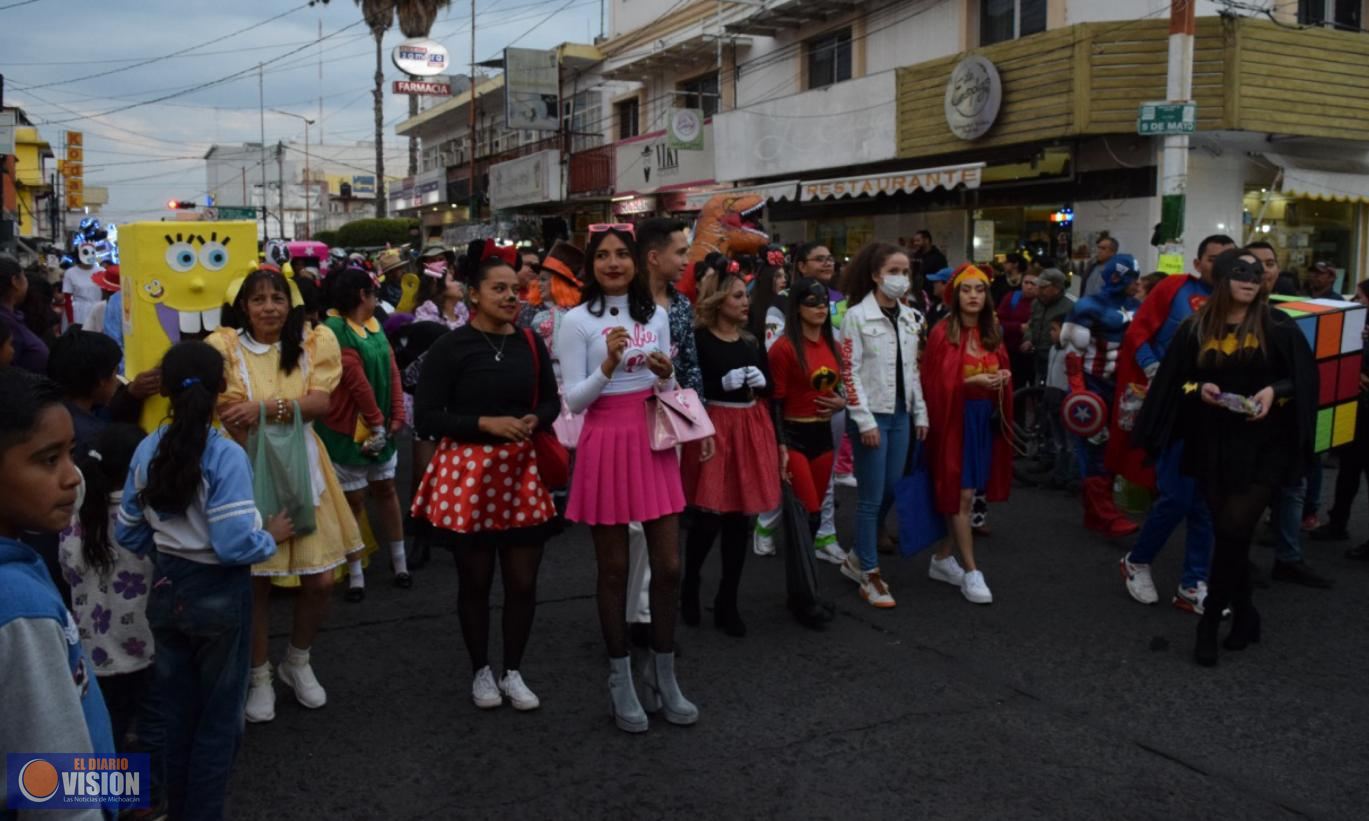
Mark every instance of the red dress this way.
pixel 943 387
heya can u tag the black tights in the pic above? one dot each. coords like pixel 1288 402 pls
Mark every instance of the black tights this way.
pixel 735 529
pixel 1234 518
pixel 663 550
pixel 475 571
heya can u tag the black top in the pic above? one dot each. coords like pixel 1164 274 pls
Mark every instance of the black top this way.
pixel 461 382
pixel 717 357
pixel 1222 446
pixel 891 314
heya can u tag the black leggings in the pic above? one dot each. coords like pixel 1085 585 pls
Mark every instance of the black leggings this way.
pixel 475 572
pixel 736 530
pixel 1234 518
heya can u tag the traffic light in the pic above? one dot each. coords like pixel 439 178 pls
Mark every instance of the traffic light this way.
pixel 182 205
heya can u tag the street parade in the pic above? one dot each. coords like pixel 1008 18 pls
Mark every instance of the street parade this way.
pixel 752 409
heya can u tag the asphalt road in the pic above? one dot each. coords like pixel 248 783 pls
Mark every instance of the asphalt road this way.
pixel 1063 699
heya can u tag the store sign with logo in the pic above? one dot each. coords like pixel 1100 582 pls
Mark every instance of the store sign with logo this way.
pixel 648 163
pixel 535 178
pixel 422 88
pixel 903 182
pixel 420 58
pixel 685 130
pixel 636 205
pixel 974 93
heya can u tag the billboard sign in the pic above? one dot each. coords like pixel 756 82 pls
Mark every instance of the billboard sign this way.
pixel 422 88
pixel 532 90
pixel 420 57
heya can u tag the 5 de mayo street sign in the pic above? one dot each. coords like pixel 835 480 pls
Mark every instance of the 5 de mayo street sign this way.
pixel 1167 118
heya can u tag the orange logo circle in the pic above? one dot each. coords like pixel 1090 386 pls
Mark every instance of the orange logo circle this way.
pixel 38 780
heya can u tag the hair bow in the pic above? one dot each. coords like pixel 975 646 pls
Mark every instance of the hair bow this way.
pixel 775 258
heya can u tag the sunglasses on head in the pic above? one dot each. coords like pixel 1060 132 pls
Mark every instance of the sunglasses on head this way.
pixel 623 227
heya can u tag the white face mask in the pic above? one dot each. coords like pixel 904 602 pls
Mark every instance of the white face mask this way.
pixel 894 286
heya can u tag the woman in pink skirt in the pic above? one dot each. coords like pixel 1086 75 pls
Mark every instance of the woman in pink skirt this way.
pixel 614 350
pixel 743 477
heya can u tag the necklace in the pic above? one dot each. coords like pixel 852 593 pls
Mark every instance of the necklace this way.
pixel 498 352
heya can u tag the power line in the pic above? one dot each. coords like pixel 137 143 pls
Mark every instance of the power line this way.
pixel 17 5
pixel 152 60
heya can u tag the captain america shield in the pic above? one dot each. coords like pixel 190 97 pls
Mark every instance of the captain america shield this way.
pixel 1084 413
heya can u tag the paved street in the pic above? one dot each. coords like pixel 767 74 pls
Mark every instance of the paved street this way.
pixel 1062 699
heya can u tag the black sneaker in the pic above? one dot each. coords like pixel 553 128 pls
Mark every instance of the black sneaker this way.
pixel 1299 573
pixel 1329 533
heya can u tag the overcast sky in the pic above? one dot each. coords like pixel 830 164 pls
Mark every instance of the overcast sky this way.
pixel 153 151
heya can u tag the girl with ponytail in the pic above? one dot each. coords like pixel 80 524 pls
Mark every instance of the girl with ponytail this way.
pixel 189 493
pixel 109 586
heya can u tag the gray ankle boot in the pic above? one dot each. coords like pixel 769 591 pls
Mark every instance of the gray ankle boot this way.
pixel 664 692
pixel 623 705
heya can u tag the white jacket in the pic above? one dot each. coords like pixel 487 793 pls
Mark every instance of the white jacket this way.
pixel 869 353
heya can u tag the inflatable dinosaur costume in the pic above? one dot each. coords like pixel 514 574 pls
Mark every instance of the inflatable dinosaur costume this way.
pixel 728 224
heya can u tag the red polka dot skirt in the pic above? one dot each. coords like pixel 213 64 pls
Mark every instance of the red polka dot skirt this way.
pixel 483 489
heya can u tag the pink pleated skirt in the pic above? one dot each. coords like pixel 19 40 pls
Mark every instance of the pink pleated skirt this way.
pixel 618 477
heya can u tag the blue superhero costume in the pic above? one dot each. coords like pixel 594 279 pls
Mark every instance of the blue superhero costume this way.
pixel 1093 334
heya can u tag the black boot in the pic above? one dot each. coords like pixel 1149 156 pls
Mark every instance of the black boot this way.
pixel 1245 628
pixel 727 619
pixel 1205 647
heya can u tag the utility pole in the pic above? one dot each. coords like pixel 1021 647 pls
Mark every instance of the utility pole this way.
pixel 308 206
pixel 1174 187
pixel 475 197
pixel 280 184
pixel 261 108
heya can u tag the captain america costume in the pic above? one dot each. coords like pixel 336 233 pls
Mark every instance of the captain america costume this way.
pixel 1093 333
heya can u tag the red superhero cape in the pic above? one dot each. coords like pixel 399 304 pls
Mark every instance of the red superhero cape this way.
pixel 943 385
pixel 1121 457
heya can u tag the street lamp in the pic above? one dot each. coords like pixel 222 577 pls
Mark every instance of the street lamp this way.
pixel 308 206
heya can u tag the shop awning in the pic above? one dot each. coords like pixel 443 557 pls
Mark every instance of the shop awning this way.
pixel 773 192
pixel 1339 179
pixel 895 182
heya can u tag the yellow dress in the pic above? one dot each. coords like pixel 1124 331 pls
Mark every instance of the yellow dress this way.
pixel 252 372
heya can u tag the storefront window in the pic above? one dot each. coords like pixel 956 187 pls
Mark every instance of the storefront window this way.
pixel 1304 231
pixel 1037 229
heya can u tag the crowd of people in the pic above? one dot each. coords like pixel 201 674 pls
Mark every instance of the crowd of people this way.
pixel 665 406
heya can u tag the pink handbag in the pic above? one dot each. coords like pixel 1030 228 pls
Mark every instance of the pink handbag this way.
pixel 676 416
pixel 567 427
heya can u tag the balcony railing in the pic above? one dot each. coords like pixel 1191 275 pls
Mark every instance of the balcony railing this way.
pixel 591 171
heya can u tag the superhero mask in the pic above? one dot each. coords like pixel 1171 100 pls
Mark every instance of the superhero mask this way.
pixel 1239 268
pixel 1119 274
pixel 810 293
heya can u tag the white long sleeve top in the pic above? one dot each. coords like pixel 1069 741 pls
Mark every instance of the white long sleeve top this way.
pixel 581 348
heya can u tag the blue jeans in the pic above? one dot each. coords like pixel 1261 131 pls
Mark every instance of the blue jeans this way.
pixel 1178 501
pixel 201 618
pixel 877 472
pixel 1288 508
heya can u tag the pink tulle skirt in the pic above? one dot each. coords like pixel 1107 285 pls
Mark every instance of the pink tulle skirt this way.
pixel 618 477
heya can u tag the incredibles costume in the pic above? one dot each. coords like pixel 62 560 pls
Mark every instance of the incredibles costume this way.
pixel 947 397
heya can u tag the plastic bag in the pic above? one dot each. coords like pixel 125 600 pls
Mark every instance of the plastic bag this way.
pixel 281 478
pixel 919 524
pixel 801 565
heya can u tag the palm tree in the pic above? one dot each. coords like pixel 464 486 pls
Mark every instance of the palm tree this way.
pixel 379 16
pixel 416 19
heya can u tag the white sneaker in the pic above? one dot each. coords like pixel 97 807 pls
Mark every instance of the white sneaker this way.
pixel 1138 580
pixel 519 695
pixel 763 541
pixel 845 479
pixel 946 570
pixel 974 589
pixel 875 591
pixel 301 679
pixel 827 550
pixel 261 696
pixel 850 568
pixel 484 692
